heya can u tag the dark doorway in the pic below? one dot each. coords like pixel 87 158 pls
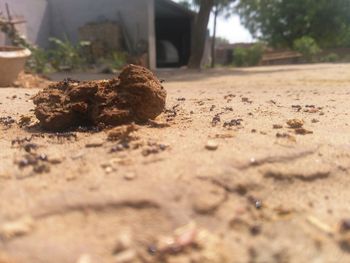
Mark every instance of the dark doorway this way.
pixel 173 34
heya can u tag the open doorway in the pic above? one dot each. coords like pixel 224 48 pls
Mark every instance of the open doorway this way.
pixel 173 25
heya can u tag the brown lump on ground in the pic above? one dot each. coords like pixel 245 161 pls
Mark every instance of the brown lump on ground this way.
pixel 136 95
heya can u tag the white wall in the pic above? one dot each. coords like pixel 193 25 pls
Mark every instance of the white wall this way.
pixel 60 18
pixel 67 16
pixel 36 13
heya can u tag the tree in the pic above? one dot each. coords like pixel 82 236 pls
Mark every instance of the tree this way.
pixel 199 33
pixel 222 7
pixel 281 22
pixel 200 27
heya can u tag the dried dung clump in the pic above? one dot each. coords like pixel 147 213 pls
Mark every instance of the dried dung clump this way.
pixel 295 123
pixel 136 95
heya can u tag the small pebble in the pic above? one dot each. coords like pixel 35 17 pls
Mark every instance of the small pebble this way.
pixel 130 176
pixel 258 204
pixel 212 145
pixel 21 227
pixel 108 169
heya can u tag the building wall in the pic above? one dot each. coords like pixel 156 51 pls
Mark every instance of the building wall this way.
pixel 36 14
pixel 67 16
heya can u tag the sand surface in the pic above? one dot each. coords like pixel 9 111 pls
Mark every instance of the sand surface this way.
pixel 221 159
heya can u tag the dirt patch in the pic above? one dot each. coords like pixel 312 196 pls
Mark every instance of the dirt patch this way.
pixel 155 193
pixel 136 95
pixel 28 81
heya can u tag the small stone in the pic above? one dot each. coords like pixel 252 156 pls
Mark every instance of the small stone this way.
pixel 315 121
pixel 130 176
pixel 258 204
pixel 109 169
pixel 21 227
pixel 212 145
pixel 206 204
pixel 94 143
pixel 295 123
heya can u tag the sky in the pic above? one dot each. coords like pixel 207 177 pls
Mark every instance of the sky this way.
pixel 230 29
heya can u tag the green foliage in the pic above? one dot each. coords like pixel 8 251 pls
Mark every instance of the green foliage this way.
pixel 307 46
pixel 248 57
pixel 330 58
pixel 114 62
pixel 345 38
pixel 63 55
pixel 38 61
pixel 281 22
pixel 119 60
pixel 66 56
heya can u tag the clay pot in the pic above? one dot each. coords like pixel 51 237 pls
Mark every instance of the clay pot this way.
pixel 12 61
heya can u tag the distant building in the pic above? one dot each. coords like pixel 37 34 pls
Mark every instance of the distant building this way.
pixel 224 53
pixel 161 27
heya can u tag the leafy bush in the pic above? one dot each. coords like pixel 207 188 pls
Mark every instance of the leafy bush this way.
pixel 66 56
pixel 307 46
pixel 239 57
pixel 38 61
pixel 332 57
pixel 119 60
pixel 247 57
pixel 112 63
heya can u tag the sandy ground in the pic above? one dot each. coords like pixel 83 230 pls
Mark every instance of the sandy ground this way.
pixel 260 194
